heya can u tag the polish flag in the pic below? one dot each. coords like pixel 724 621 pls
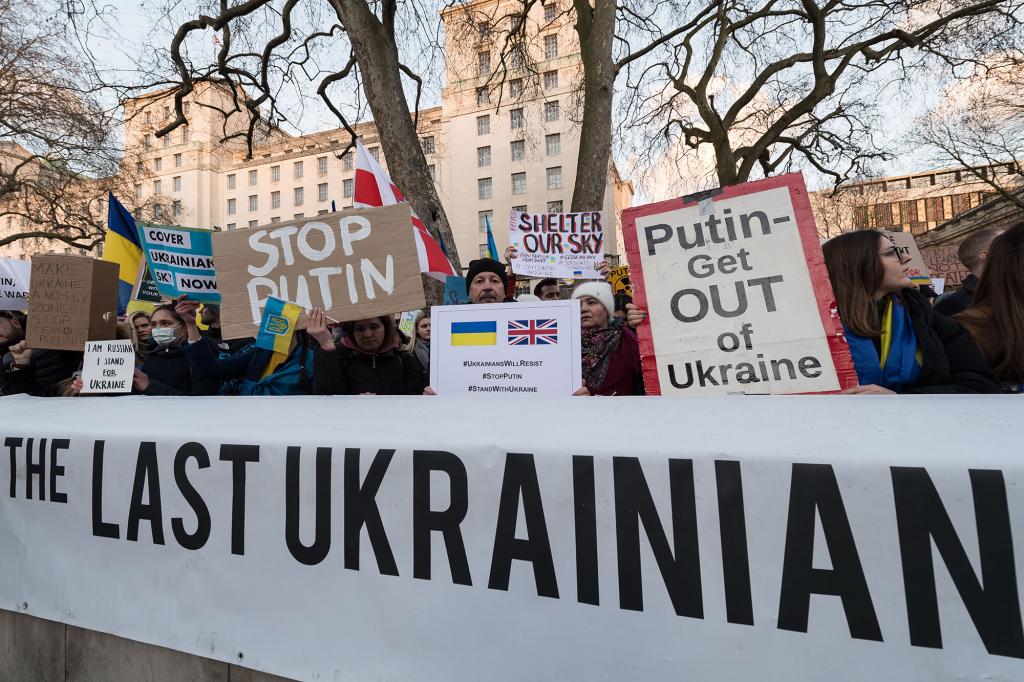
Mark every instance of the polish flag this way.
pixel 373 187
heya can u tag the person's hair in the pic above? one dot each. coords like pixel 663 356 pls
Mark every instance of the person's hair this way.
pixel 621 301
pixel 855 271
pixel 390 330
pixel 996 314
pixel 126 331
pixel 546 282
pixel 138 313
pixel 416 329
pixel 969 251
pixel 169 308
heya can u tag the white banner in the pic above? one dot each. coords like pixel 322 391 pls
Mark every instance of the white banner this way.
pixel 14 278
pixel 398 538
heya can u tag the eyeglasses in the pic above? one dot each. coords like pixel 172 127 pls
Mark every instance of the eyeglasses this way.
pixel 891 251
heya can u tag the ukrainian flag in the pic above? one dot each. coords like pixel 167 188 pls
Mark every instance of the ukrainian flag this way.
pixel 121 246
pixel 475 333
pixel 492 248
pixel 278 325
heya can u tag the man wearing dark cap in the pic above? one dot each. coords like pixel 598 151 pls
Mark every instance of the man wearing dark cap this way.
pixel 486 282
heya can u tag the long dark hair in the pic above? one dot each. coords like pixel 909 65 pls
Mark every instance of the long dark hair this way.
pixel 996 315
pixel 855 271
pixel 390 331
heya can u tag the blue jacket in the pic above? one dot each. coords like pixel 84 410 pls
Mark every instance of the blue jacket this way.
pixel 293 377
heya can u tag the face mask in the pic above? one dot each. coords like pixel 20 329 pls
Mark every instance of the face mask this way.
pixel 164 336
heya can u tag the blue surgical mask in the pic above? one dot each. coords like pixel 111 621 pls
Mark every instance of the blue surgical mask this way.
pixel 164 336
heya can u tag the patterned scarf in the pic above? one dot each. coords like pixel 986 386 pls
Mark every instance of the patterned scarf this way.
pixel 599 344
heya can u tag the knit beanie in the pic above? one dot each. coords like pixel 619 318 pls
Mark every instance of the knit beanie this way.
pixel 601 291
pixel 486 265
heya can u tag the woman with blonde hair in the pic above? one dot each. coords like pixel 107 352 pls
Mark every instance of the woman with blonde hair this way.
pixel 419 344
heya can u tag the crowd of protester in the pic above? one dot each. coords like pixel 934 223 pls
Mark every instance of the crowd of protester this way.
pixel 970 341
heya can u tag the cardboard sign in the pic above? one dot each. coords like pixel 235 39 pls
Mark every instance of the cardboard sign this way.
pixel 737 294
pixel 108 367
pixel 355 264
pixel 565 245
pixel 944 262
pixel 14 280
pixel 407 322
pixel 72 299
pixel 455 290
pixel 618 278
pixel 907 247
pixel 180 260
pixel 506 348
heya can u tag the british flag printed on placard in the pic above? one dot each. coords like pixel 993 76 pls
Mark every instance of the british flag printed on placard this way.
pixel 532 332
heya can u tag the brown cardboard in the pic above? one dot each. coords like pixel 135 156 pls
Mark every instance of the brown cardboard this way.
pixel 943 262
pixel 72 299
pixel 246 274
pixel 907 245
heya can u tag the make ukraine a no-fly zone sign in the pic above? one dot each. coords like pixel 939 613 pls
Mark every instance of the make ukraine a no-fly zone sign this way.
pixel 355 264
pixel 737 293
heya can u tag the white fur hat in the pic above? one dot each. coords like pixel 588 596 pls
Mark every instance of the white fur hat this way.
pixel 601 291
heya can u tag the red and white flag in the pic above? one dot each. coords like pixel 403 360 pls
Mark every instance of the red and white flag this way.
pixel 373 187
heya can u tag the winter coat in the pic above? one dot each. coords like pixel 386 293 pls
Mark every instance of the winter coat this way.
pixel 346 370
pixel 951 361
pixel 957 301
pixel 170 373
pixel 292 377
pixel 48 369
pixel 625 376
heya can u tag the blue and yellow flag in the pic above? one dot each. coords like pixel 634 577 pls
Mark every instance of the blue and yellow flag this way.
pixel 121 246
pixel 278 325
pixel 492 248
pixel 481 333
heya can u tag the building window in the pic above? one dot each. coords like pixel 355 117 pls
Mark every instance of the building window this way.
pixel 299 194
pixel 375 153
pixel 515 88
pixel 521 209
pixel 550 11
pixel 555 206
pixel 517 57
pixel 185 108
pixel 483 156
pixel 254 203
pixel 550 47
pixel 158 164
pixel 177 160
pixel 231 181
pixel 483 62
pixel 138 191
pixel 146 141
pixel 551 112
pixel 346 188
pixel 485 29
pixel 550 80
pixel 483 96
pixel 519 183
pixel 321 192
pixel 253 178
pixel 185 137
pixel 908 211
pixel 553 144
pixel 275 173
pixel 167 140
pixel 428 144
pixel 167 113
pixel 483 124
pixel 321 165
pixel 483 188
pixel 518 148
pixel 297 170
pixel 156 187
pixel 176 208
pixel 139 168
pixel 346 162
pixel 482 219
pixel 231 226
pixel 275 219
pixel 934 209
pixel 137 213
pixel 148 118
pixel 275 200
pixel 176 180
pixel 484 251
pixel 322 211
pixel 433 172
pixel 158 212
pixel 555 177
pixel 298 216
pixel 253 223
pixel 231 207
pixel 516 119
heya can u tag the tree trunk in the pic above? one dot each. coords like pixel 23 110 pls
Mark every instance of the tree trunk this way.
pixel 376 52
pixel 595 28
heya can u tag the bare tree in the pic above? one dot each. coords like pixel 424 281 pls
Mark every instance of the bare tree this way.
pixel 267 46
pixel 58 155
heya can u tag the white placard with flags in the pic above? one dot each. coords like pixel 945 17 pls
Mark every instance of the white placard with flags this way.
pixel 373 187
pixel 506 348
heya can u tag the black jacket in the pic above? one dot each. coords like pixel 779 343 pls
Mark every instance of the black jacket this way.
pixel 48 369
pixel 952 362
pixel 957 301
pixel 345 371
pixel 170 374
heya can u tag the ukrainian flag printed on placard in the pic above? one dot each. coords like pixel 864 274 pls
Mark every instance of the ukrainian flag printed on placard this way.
pixel 475 333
